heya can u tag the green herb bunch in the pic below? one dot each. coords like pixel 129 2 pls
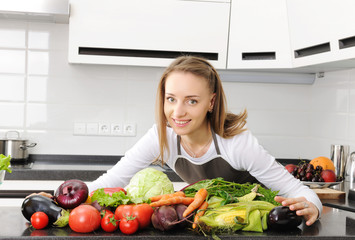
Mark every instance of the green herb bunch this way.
pixel 230 191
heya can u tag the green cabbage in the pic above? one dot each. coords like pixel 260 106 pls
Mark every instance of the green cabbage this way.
pixel 147 183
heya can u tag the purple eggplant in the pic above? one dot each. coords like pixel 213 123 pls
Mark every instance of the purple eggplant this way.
pixel 282 218
pixel 36 203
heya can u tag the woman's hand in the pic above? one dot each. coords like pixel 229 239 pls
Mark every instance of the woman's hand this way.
pixel 302 207
pixel 44 194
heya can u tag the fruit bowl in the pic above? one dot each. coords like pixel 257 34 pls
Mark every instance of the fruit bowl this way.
pixel 320 184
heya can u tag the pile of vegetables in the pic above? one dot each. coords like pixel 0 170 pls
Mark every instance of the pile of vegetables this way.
pixel 108 208
pixel 209 206
pixel 220 206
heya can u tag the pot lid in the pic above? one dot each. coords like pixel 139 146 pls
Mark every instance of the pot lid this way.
pixel 13 135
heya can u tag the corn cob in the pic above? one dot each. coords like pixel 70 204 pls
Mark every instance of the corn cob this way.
pixel 242 215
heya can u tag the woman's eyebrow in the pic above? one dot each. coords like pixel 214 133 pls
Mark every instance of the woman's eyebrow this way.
pixel 188 96
pixel 192 96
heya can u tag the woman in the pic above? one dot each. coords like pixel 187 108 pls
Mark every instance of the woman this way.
pixel 196 138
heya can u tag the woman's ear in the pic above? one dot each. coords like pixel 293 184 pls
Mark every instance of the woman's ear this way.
pixel 212 102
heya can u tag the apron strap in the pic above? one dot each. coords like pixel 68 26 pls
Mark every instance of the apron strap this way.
pixel 178 144
pixel 215 142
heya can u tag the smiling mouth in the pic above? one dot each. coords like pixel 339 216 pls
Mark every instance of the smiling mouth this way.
pixel 181 123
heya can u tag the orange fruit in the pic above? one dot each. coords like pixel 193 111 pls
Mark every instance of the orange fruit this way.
pixel 324 162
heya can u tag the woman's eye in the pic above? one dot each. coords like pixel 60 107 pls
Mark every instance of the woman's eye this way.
pixel 170 99
pixel 192 101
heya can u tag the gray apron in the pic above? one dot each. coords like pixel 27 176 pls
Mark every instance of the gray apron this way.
pixel 217 167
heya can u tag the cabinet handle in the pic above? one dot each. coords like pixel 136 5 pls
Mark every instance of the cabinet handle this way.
pixel 258 56
pixel 321 48
pixel 118 52
pixel 347 42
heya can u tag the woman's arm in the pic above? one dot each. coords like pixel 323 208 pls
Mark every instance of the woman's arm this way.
pixel 255 159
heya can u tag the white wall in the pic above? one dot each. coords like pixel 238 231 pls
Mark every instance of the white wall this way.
pixel 41 95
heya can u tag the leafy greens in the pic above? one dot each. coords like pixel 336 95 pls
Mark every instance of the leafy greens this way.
pixel 147 183
pixel 229 191
pixel 5 163
pixel 113 200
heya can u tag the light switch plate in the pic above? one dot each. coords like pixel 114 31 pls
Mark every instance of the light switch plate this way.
pixel 92 129
pixel 79 128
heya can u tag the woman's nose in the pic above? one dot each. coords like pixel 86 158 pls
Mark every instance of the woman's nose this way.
pixel 179 110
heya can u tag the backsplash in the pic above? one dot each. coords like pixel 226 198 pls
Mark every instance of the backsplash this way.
pixel 42 96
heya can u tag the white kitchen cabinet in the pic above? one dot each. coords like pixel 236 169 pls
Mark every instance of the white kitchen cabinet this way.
pixel 315 30
pixel 56 11
pixel 259 36
pixel 344 28
pixel 147 33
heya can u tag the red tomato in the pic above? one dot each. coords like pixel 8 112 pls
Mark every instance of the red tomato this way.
pixel 143 212
pixel 104 212
pixel 109 223
pixel 39 220
pixel 84 219
pixel 129 225
pixel 123 211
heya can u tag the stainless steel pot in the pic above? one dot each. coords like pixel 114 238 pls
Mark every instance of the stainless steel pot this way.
pixel 15 146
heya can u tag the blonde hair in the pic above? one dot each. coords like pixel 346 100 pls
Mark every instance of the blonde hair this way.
pixel 223 123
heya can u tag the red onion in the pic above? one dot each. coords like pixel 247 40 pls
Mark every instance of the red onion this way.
pixel 71 193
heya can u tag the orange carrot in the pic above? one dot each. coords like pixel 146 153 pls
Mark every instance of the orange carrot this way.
pixel 166 196
pixel 200 212
pixel 175 194
pixel 173 201
pixel 199 198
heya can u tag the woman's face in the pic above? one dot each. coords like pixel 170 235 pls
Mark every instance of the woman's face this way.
pixel 187 101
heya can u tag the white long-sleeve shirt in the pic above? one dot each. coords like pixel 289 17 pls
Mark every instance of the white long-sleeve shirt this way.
pixel 242 152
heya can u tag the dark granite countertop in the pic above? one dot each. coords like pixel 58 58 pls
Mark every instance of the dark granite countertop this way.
pixel 334 224
pixel 85 167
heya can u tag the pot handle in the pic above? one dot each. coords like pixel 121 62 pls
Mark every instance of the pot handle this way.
pixel 14 131
pixel 24 147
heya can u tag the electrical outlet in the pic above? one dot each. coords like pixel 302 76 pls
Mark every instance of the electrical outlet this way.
pixel 129 129
pixel 79 129
pixel 116 129
pixel 104 129
pixel 92 129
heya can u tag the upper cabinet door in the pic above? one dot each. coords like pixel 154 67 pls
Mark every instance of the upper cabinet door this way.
pixel 321 31
pixel 259 36
pixel 147 33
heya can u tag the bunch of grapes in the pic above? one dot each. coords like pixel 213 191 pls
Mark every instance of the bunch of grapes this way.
pixel 306 172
